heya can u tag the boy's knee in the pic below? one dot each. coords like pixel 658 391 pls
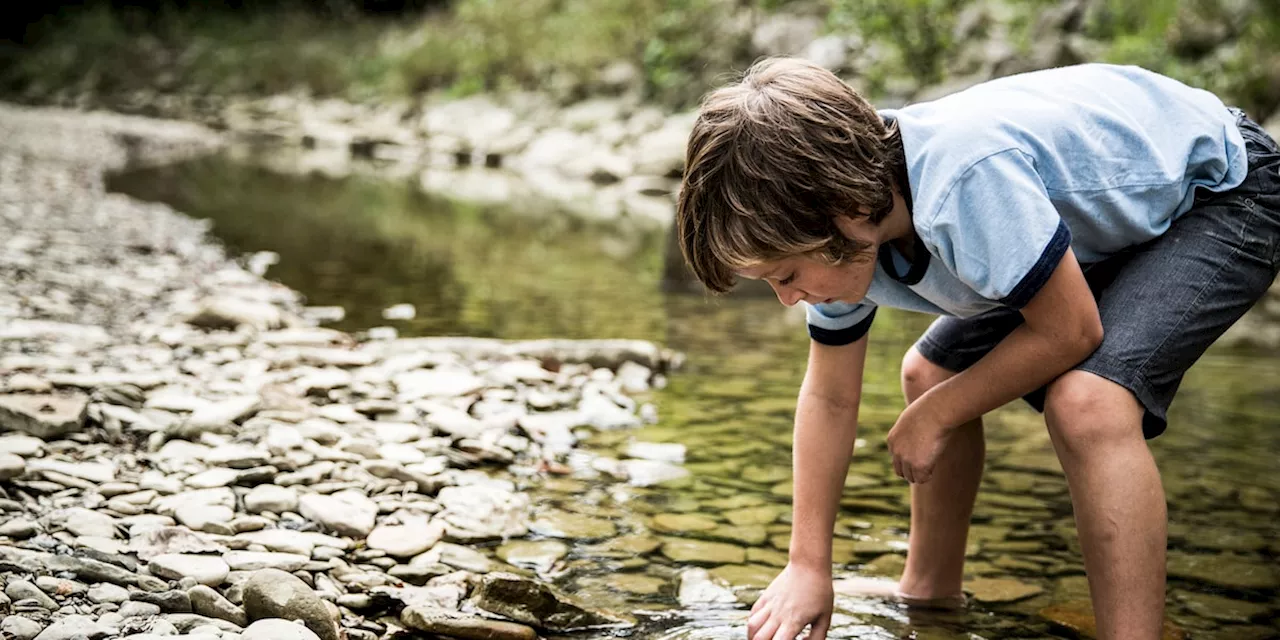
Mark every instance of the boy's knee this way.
pixel 1085 412
pixel 919 375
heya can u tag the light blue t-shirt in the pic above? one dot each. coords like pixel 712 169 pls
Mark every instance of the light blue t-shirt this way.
pixel 1006 175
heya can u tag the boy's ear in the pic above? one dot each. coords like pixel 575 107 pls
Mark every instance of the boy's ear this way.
pixel 856 226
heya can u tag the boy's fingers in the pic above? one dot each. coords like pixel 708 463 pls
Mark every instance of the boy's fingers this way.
pixel 766 632
pixel 897 467
pixel 788 631
pixel 820 627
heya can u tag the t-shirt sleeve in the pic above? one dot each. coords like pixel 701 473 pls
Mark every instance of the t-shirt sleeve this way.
pixel 998 231
pixel 839 323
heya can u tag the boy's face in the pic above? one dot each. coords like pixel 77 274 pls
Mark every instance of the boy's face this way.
pixel 803 278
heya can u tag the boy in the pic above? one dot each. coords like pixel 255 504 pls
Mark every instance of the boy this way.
pixel 1085 233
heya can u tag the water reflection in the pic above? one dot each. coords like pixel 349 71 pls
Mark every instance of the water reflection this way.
pixel 483 271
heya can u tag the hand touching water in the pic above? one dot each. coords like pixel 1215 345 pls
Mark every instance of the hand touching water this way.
pixel 799 596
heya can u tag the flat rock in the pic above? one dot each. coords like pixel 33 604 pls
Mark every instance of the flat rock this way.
pixel 999 590
pixel 409 538
pixel 453 624
pixel 270 497
pixel 44 416
pixel 207 570
pixel 1077 617
pixel 1226 570
pixel 22 445
pixel 259 560
pixel 349 513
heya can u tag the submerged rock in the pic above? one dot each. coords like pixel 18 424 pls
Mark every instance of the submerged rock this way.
pixel 537 604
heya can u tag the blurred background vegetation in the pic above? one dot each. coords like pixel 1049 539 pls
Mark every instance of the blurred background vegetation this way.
pixel 671 50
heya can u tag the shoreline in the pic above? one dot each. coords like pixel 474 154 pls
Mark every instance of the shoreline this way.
pixel 160 477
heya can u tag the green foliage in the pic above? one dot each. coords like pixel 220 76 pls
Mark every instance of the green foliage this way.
pixel 919 30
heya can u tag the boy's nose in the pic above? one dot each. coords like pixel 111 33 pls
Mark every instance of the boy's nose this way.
pixel 788 296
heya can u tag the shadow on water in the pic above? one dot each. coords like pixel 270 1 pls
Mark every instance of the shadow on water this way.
pixel 509 273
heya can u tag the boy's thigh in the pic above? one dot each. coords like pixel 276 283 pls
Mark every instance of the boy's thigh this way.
pixel 1166 301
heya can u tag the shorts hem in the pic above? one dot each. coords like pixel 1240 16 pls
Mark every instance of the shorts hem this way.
pixel 1154 421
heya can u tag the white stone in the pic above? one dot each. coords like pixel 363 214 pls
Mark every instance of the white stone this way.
pixel 697 587
pixel 411 537
pixel 659 451
pixel 207 570
pixel 277 629
pixel 349 513
pixel 21 445
pixel 646 473
pixel 436 383
pixel 270 497
pixel 257 560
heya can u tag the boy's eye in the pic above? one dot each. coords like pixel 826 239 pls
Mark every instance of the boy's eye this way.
pixel 787 280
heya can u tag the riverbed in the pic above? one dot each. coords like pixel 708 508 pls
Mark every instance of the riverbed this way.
pixel 365 244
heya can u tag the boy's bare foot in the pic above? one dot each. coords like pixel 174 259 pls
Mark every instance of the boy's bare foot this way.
pixel 888 590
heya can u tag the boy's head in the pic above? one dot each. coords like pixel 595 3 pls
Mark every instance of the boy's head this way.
pixel 773 162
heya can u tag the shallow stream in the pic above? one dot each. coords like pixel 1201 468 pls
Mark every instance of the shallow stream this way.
pixel 366 244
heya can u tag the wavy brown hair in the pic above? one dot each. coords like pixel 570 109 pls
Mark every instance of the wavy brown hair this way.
pixel 773 159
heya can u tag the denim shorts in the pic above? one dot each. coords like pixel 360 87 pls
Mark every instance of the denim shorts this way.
pixel 1162 302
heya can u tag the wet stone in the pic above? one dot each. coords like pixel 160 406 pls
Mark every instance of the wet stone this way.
pixel 563 524
pixel 745 575
pixel 635 544
pixel 1225 570
pixel 634 583
pixel 681 523
pixel 1223 609
pixel 1077 617
pixel 764 514
pixel 535 603
pixel 539 556
pixel 700 552
pixel 1001 590
pixel 698 587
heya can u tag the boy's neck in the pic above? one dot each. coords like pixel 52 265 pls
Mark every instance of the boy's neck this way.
pixel 897 228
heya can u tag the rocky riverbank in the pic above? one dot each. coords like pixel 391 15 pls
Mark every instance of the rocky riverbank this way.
pixel 183 451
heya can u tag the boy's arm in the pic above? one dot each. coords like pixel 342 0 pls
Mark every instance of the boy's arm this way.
pixel 826 422
pixel 1062 327
pixel 825 428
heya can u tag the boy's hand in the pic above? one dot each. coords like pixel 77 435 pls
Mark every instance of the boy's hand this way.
pixel 916 441
pixel 799 596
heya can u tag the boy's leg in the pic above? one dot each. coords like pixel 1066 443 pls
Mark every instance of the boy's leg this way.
pixel 1162 305
pixel 1096 428
pixel 940 511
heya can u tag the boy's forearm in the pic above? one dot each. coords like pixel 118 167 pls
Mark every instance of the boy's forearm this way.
pixel 1021 363
pixel 824 436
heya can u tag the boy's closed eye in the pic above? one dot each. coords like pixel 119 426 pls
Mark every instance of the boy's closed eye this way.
pixel 787 280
